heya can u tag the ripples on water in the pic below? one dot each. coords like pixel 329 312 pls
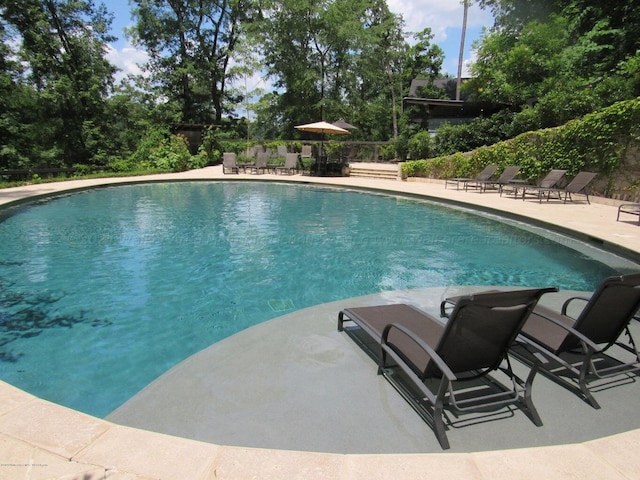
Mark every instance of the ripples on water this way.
pixel 105 290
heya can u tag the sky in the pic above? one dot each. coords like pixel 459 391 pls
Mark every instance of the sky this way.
pixel 444 17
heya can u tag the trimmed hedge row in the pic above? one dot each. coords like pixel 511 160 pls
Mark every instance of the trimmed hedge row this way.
pixel 606 142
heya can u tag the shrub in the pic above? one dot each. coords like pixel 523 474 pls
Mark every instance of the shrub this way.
pixel 419 145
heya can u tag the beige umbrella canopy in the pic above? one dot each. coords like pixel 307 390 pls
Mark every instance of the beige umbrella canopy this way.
pixel 322 127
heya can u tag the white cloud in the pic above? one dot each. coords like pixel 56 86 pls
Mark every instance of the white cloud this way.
pixel 444 18
pixel 127 59
pixel 439 15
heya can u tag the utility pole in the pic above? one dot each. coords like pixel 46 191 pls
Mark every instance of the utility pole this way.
pixel 465 4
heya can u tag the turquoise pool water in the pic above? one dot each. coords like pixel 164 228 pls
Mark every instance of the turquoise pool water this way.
pixel 103 291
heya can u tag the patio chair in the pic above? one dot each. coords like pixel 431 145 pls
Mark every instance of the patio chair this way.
pixel 630 208
pixel 306 158
pixel 574 352
pixel 261 163
pixel 229 163
pixel 306 152
pixel 485 174
pixel 550 180
pixel 281 151
pixel 290 164
pixel 507 175
pixel 435 365
pixel 579 184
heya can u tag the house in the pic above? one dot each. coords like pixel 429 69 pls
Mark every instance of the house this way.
pixel 433 112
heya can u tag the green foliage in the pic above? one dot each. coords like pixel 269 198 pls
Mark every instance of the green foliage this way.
pixel 350 60
pixel 190 52
pixel 419 145
pixel 160 150
pixel 481 131
pixel 173 155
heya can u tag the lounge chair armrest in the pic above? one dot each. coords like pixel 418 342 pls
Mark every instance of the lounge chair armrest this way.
pixel 571 330
pixel 565 305
pixel 442 366
pixel 447 303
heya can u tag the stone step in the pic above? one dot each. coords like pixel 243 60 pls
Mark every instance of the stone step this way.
pixel 389 172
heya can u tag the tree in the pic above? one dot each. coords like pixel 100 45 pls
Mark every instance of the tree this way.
pixel 308 46
pixel 379 73
pixel 341 58
pixel 190 45
pixel 513 69
pixel 66 80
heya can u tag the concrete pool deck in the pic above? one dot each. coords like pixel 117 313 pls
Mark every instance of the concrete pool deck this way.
pixel 39 439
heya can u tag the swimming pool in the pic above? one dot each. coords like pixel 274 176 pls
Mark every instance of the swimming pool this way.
pixel 102 291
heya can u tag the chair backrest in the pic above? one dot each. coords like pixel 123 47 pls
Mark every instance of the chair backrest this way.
pixel 580 182
pixel 487 173
pixel 291 160
pixel 552 178
pixel 508 174
pixel 229 159
pixel 282 150
pixel 261 160
pixel 608 312
pixel 482 327
pixel 306 151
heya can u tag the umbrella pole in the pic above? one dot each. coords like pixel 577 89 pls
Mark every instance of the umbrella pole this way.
pixel 322 161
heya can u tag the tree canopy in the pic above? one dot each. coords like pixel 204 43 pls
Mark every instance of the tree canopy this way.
pixel 548 61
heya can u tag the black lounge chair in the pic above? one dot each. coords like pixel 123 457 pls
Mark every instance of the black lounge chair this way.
pixel 431 359
pixel 507 175
pixel 550 180
pixel 485 174
pixel 575 351
pixel 579 184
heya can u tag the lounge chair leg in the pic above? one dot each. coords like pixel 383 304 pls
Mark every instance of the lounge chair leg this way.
pixel 438 422
pixel 582 382
pixel 528 402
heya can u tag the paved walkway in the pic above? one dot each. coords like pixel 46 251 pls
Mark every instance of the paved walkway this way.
pixel 282 403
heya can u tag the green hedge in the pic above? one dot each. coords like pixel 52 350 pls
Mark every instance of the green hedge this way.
pixel 604 142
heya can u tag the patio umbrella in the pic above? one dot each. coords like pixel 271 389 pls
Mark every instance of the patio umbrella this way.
pixel 342 124
pixel 322 128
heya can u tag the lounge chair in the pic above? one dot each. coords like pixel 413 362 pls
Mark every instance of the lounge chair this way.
pixel 550 180
pixel 281 151
pixel 306 158
pixel 485 174
pixel 507 175
pixel 229 163
pixel 261 163
pixel 579 184
pixel 306 152
pixel 431 359
pixel 575 351
pixel 630 208
pixel 290 164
